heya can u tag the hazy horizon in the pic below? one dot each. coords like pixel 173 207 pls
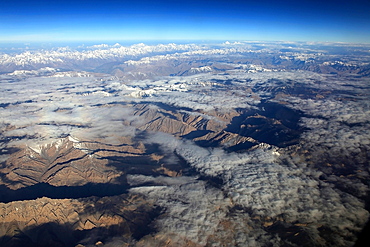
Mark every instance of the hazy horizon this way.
pixel 184 123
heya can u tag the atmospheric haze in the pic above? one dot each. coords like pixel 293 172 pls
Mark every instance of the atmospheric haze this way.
pixel 191 144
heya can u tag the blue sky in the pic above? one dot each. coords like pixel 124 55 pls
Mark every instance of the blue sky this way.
pixel 117 20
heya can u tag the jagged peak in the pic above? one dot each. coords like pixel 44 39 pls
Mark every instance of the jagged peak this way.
pixel 38 148
pixel 73 139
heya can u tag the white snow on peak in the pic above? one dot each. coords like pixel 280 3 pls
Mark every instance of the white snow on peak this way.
pixel 338 63
pixel 203 69
pixel 42 71
pixel 72 74
pixel 36 149
pixel 73 139
pixel 143 93
pixel 102 52
pixel 99 46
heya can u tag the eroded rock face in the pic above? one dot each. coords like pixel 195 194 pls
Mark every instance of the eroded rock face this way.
pixel 229 145
pixel 68 222
pixel 169 119
pixel 66 162
pixel 69 168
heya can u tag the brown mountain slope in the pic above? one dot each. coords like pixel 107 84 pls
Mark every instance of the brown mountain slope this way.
pixel 68 222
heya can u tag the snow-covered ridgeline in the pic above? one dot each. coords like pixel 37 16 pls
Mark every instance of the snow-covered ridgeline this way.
pixel 65 54
pixel 183 55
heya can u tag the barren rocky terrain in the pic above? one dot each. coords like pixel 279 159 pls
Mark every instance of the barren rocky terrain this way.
pixel 185 145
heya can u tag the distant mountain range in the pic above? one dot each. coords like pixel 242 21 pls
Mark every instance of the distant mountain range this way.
pixel 231 144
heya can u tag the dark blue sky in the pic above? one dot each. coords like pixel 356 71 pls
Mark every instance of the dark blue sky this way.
pixel 115 20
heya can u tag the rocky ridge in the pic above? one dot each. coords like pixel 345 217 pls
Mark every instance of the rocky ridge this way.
pixel 219 173
pixel 69 222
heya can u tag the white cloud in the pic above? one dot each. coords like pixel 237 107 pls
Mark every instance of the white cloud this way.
pixel 268 183
pixel 260 181
pixel 47 108
pixel 193 210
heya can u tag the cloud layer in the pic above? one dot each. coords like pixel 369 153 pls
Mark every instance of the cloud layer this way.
pixel 317 185
pixel 260 181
